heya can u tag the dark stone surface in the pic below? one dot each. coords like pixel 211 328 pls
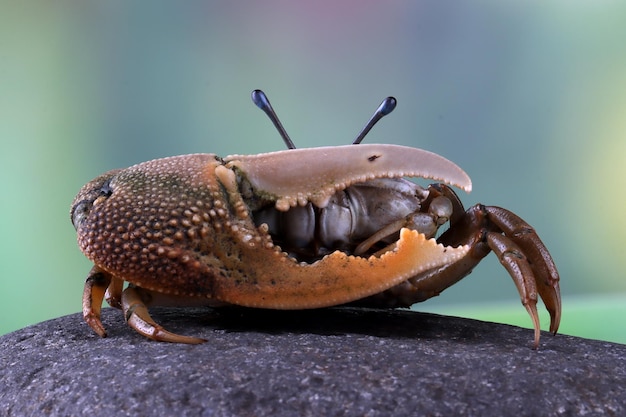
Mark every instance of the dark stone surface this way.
pixel 336 362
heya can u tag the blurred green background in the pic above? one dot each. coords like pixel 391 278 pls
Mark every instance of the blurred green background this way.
pixel 528 97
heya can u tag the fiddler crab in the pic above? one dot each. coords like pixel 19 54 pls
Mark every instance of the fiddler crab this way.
pixel 294 229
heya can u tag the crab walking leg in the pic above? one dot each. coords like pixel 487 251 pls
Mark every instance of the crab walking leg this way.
pixel 135 306
pixel 93 294
pixel 538 257
pixel 516 263
pixel 480 228
pixel 113 295
pixel 520 232
pixel 433 282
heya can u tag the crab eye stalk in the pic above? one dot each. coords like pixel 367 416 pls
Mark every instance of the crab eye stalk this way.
pixel 384 109
pixel 260 99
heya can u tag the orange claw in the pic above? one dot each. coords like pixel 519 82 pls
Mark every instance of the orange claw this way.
pixel 335 279
pixel 262 275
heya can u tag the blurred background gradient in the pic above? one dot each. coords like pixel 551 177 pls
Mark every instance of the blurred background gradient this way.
pixel 528 97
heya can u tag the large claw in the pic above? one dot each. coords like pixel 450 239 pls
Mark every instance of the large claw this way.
pixel 297 176
pixel 263 276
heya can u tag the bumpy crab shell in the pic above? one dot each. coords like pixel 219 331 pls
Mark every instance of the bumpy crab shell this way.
pixel 180 226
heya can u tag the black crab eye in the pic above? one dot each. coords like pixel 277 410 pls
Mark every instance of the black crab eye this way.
pixel 81 210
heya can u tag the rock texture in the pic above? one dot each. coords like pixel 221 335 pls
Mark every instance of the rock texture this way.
pixel 337 362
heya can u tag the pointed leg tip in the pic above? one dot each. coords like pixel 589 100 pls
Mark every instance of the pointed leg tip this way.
pixel 163 335
pixel 198 341
pixel 554 329
pixel 537 338
pixel 138 318
pixel 555 322
pixel 531 308
pixel 95 324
